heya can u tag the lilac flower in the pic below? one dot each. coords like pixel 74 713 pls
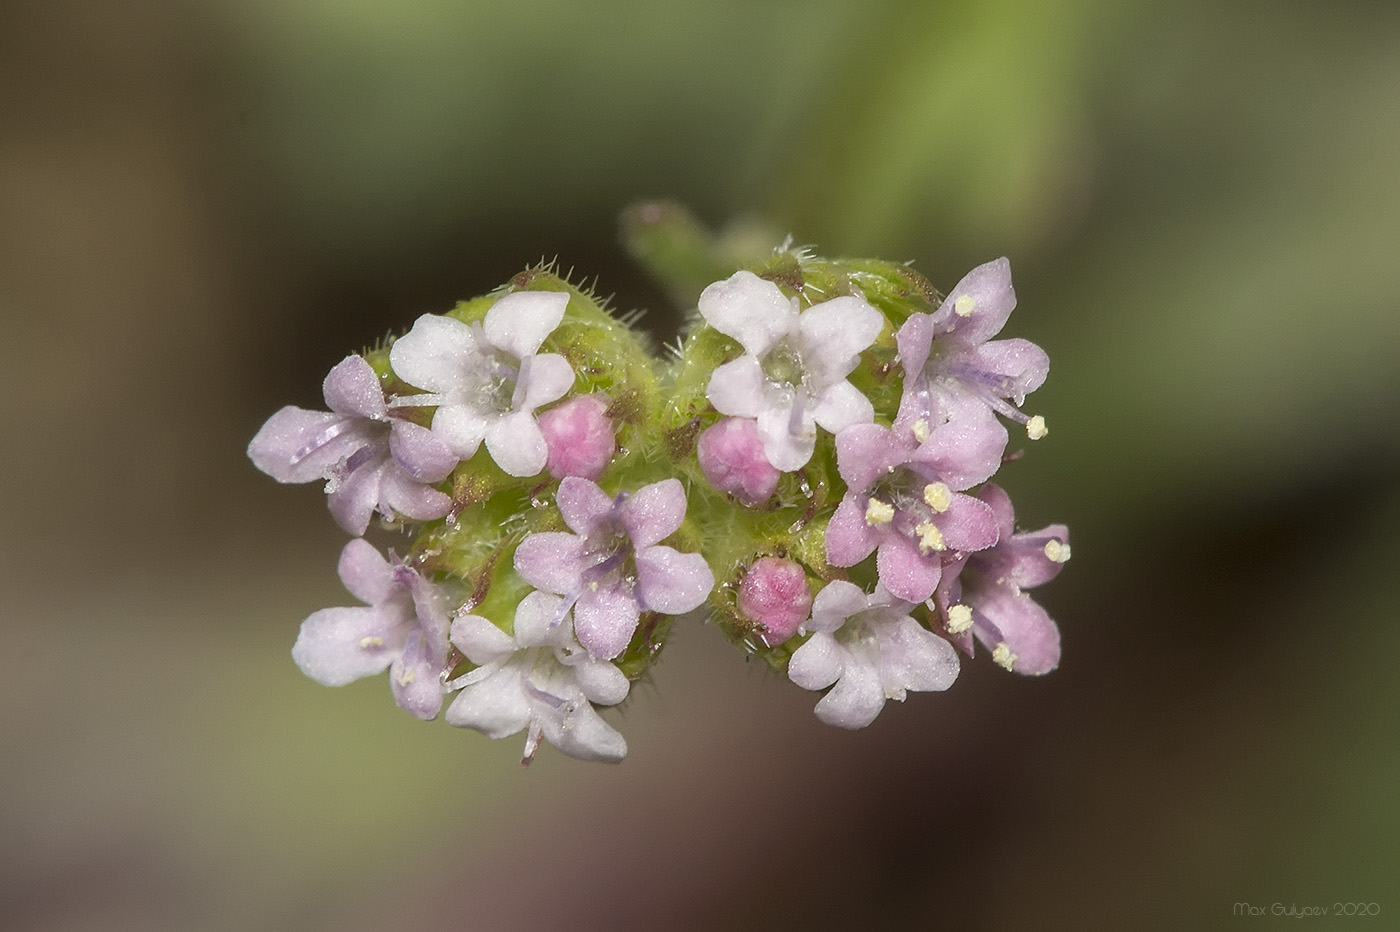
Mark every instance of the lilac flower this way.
pixel 955 376
pixel 870 647
pixel 898 501
pixel 404 627
pixel 982 595
pixel 792 376
pixel 612 568
pixel 487 379
pixel 774 594
pixel 369 458
pixel 731 456
pixel 579 436
pixel 539 681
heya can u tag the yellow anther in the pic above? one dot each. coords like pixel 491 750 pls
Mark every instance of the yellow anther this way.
pixel 930 537
pixel 938 496
pixel 921 430
pixel 965 305
pixel 371 642
pixel 878 512
pixel 1003 657
pixel 406 677
pixel 1057 551
pixel 959 619
pixel 1035 428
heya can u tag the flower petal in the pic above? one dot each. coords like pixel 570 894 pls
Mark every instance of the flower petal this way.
pixel 818 663
pixel 297 445
pixel 414 678
pixel 549 378
pixel 751 310
pixel 583 734
pixel 339 645
pixel 438 355
pixel 519 322
pixel 993 299
pixel 654 512
pixel 914 341
pixel 904 571
pixel 967 525
pixel 583 504
pixel 422 453
pixel 965 446
pixel 855 700
pixel 365 573
pixel 602 682
pixel 495 706
pixel 401 494
pixel 787 450
pixel 516 444
pixel 480 640
pixel 461 427
pixel 865 452
pixel 842 405
pixel 551 560
pixel 355 496
pixel 352 388
pixel 1027 629
pixel 837 601
pixel 736 388
pixel 912 657
pixel 849 537
pixel 671 582
pixel 834 334
pixel 1021 365
pixel 535 621
pixel 604 620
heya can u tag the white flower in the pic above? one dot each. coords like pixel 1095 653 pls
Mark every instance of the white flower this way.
pixel 872 650
pixel 792 376
pixel 540 681
pixel 487 379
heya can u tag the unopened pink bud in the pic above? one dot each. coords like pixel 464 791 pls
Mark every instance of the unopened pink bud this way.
pixel 579 435
pixel 775 594
pixel 731 455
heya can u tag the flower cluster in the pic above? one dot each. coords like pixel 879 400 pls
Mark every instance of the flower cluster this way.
pixel 812 470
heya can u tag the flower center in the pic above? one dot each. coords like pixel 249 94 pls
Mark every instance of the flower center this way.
pixel 783 365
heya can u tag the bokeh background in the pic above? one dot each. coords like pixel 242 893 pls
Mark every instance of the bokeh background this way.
pixel 203 206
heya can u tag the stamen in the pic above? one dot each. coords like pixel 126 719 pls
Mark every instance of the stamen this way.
pixel 930 537
pixel 1057 551
pixel 1035 428
pixel 965 305
pixel 367 643
pixel 921 431
pixel 938 496
pixel 1003 657
pixel 959 619
pixel 878 512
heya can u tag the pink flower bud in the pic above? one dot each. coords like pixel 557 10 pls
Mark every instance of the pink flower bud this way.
pixel 731 455
pixel 775 594
pixel 579 435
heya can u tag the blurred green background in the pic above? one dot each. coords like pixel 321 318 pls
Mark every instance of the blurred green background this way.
pixel 203 206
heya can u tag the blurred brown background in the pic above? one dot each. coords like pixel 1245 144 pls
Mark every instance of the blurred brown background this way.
pixel 203 206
